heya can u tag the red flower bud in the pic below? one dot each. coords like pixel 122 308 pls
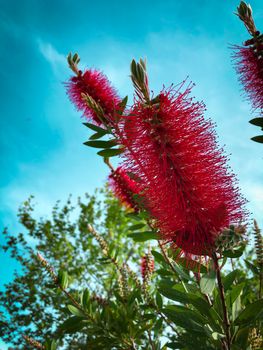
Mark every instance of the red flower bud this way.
pixel 125 189
pixel 147 266
pixel 96 85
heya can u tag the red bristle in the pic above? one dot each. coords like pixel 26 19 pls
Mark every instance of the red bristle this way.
pixel 96 85
pixel 147 266
pixel 124 188
pixel 189 189
pixel 249 66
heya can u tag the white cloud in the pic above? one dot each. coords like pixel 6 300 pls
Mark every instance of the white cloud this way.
pixel 57 60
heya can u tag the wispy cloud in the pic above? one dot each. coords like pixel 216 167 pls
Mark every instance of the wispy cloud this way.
pixel 57 60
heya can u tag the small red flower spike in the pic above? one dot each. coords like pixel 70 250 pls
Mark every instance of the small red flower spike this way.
pixel 147 266
pixel 125 189
pixel 96 85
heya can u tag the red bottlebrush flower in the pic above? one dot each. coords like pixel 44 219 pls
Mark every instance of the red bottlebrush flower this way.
pixel 125 189
pixel 147 266
pixel 96 85
pixel 249 66
pixel 188 187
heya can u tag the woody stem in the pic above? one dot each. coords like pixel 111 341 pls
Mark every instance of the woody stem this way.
pixel 223 301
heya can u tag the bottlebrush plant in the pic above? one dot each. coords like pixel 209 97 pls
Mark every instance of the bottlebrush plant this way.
pixel 198 286
pixel 249 65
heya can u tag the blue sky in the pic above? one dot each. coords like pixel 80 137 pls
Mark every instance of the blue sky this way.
pixel 41 133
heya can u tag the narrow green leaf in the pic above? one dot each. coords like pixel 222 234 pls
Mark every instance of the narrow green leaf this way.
pixel 53 345
pixel 235 292
pixel 257 121
pixel 122 105
pixel 107 153
pixel 101 144
pixel 63 279
pixel 143 236
pixel 72 324
pixel 50 345
pixel 251 313
pixel 229 279
pixel 183 320
pixel 75 311
pixel 191 314
pixel 235 253
pixel 178 294
pixel 236 307
pixel 241 337
pixel 95 127
pixel 85 298
pixel 158 326
pixel 207 282
pixel 158 257
pixel 136 227
pixel 217 336
pixel 258 139
pixel 181 272
pixel 98 135
pixel 159 300
pixel 252 267
pixel 134 216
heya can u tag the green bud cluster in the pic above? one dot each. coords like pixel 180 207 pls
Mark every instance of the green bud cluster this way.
pixel 231 238
pixel 73 62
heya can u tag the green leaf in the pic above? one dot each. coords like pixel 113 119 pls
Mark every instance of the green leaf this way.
pixel 143 236
pixel 101 144
pixel 177 293
pixel 63 279
pixel 250 314
pixel 258 139
pixel 183 320
pixel 107 153
pixel 134 216
pixel 122 105
pixel 158 326
pixel 190 314
pixel 85 298
pixel 235 253
pixel 50 345
pixel 72 324
pixel 53 345
pixel 158 257
pixel 136 227
pixel 95 127
pixel 164 273
pixel 257 121
pixel 235 292
pixel 241 338
pixel 229 279
pixel 98 135
pixel 217 336
pixel 236 307
pixel 252 267
pixel 207 282
pixel 75 311
pixel 159 300
pixel 181 272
